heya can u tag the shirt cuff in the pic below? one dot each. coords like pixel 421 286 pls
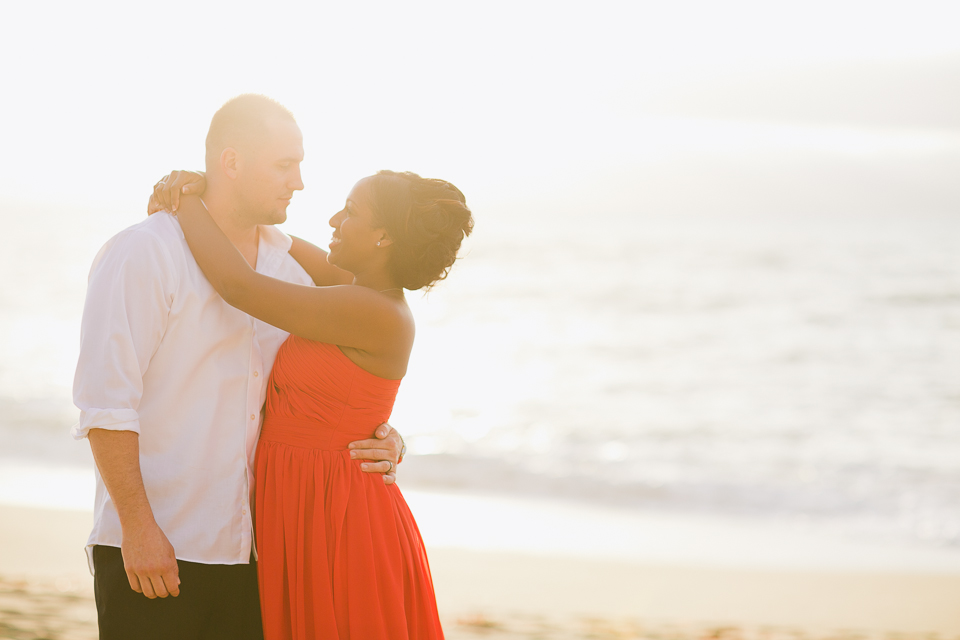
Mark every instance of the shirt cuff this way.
pixel 110 419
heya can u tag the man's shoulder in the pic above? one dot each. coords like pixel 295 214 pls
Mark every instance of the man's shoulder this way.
pixel 157 237
pixel 160 228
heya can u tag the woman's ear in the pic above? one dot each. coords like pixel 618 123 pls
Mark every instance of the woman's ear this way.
pixel 228 162
pixel 385 240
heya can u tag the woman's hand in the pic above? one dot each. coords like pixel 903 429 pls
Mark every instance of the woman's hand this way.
pixel 166 193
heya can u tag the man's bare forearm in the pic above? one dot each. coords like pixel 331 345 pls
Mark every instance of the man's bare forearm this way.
pixel 148 557
pixel 117 454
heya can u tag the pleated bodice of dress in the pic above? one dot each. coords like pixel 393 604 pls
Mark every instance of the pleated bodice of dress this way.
pixel 318 398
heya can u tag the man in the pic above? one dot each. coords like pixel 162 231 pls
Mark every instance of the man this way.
pixel 170 384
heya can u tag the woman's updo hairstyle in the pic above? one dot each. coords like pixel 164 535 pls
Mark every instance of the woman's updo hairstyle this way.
pixel 427 219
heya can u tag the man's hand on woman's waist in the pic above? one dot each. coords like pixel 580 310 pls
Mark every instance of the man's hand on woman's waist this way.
pixel 385 451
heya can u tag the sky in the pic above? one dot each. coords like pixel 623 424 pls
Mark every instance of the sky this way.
pixel 631 106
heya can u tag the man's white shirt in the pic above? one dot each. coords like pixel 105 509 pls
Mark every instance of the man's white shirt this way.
pixel 162 354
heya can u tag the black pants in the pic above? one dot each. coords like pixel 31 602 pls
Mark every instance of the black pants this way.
pixel 215 601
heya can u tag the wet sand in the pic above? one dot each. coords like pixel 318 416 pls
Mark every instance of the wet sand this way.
pixel 46 592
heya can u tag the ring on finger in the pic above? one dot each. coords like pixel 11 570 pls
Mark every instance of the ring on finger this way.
pixel 392 466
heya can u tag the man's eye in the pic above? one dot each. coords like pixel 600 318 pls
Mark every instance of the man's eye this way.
pixel 284 166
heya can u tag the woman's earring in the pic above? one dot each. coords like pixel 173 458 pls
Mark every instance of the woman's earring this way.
pixel 378 244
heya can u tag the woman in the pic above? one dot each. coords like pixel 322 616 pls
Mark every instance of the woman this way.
pixel 340 554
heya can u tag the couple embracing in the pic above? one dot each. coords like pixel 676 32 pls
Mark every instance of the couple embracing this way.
pixel 235 386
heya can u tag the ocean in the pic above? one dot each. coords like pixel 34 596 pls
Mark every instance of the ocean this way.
pixel 798 371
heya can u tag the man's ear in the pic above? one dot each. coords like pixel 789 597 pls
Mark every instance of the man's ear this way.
pixel 229 161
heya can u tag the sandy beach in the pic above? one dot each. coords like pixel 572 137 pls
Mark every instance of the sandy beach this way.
pixel 46 592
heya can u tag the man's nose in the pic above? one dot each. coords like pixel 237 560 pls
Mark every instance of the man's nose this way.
pixel 297 183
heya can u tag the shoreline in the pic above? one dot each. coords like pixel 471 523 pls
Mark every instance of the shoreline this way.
pixel 499 593
pixel 557 526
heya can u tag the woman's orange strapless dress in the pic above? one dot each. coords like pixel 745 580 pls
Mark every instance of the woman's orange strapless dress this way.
pixel 340 555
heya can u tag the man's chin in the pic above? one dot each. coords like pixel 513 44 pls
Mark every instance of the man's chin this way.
pixel 277 217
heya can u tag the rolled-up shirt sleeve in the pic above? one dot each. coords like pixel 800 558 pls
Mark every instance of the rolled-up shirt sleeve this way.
pixel 130 291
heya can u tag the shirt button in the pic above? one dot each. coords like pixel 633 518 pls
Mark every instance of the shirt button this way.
pixel 256 373
pixel 253 417
pixel 244 512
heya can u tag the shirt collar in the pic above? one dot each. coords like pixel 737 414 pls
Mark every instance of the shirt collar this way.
pixel 273 248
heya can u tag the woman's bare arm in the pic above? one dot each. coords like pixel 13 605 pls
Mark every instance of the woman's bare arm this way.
pixel 346 315
pixel 313 259
pixel 166 197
